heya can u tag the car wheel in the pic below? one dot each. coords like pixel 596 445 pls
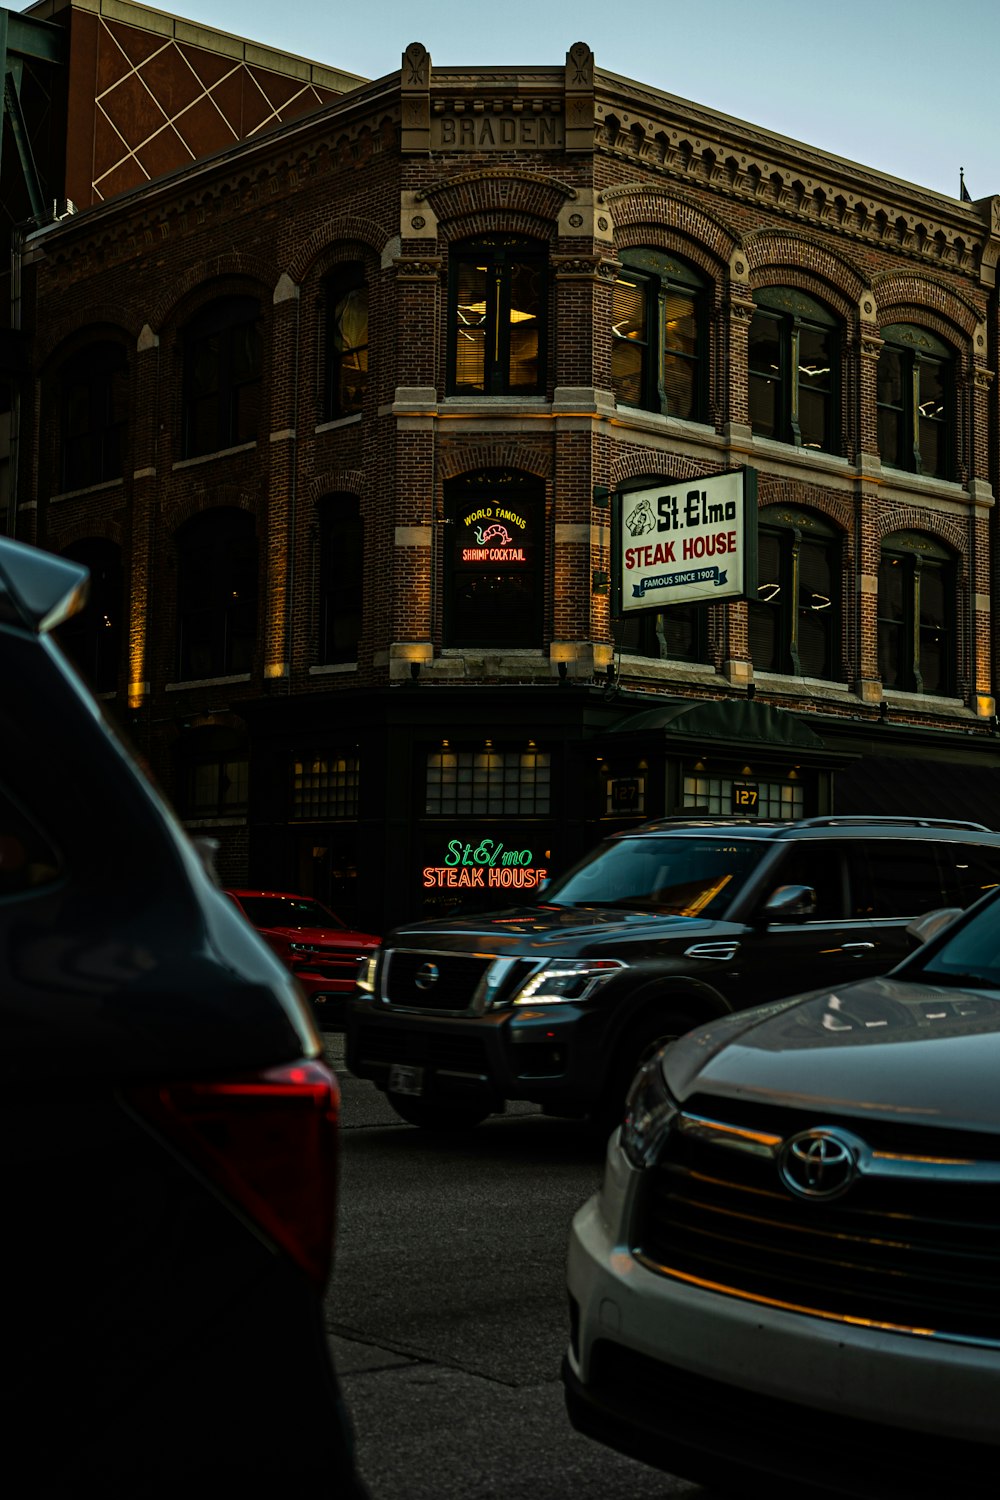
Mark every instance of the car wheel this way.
pixel 635 1048
pixel 438 1114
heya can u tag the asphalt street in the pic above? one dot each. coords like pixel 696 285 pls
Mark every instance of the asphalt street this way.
pixel 447 1311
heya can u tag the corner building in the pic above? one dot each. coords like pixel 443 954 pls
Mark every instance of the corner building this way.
pixel 338 415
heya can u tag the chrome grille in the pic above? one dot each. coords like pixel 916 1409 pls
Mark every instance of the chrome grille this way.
pixel 913 1243
pixel 407 981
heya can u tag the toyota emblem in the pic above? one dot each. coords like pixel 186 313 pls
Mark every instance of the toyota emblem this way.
pixel 427 975
pixel 819 1163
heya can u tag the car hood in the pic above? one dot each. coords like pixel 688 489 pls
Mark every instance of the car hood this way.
pixel 321 937
pixel 535 929
pixel 886 1047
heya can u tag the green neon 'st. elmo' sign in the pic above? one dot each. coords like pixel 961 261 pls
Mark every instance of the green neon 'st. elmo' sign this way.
pixel 481 866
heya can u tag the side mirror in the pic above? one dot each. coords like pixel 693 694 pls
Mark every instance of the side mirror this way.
pixel 924 927
pixel 789 903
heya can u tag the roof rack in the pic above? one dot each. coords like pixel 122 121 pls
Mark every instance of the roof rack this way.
pixel 863 820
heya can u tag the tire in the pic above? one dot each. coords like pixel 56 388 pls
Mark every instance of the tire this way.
pixel 636 1047
pixel 438 1114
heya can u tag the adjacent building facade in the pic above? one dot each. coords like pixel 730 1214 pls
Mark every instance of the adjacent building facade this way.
pixel 340 417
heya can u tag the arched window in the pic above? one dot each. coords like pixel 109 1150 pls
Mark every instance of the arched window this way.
pixel 93 416
pixel 216 594
pixel 793 361
pixel 222 368
pixel 495 561
pixel 916 401
pixel 346 340
pixel 92 638
pixel 659 335
pixel 497 316
pixel 341 569
pixel 916 614
pixel 795 619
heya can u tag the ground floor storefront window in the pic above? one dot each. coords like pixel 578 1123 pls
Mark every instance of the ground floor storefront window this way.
pixel 743 795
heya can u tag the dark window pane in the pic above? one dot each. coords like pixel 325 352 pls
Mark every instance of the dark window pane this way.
pixel 815 375
pixel 470 338
pixel 815 359
pixel 890 435
pixel 765 613
pixel 682 628
pixel 680 386
pixel 524 315
pixel 223 356
pixel 932 633
pixel 889 379
pixel 627 372
pixel 814 418
pixel 217 595
pixel 629 338
pixel 972 873
pixel 764 347
pixel 341 580
pixel 347 339
pixel 628 311
pixel 932 411
pixel 93 637
pixel 246 411
pixel 94 413
pixel 892 587
pixel 494 607
pixel 817 611
pixel 890 653
pixel 680 328
pixel 904 879
pixel 764 406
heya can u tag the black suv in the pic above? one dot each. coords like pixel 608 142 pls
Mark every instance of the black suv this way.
pixel 654 931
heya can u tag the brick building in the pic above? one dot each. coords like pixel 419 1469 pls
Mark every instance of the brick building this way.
pixel 340 417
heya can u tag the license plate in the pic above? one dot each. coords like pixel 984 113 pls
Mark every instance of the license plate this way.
pixel 404 1078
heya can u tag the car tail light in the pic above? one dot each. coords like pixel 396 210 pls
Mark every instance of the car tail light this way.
pixel 269 1141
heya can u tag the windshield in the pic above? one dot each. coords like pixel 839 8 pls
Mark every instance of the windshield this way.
pixel 287 911
pixel 686 877
pixel 971 957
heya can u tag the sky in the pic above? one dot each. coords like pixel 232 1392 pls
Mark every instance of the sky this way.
pixel 908 87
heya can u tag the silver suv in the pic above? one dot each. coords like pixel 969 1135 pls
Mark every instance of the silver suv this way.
pixel 792 1272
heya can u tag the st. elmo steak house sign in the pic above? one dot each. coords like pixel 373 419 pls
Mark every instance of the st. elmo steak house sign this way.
pixel 686 541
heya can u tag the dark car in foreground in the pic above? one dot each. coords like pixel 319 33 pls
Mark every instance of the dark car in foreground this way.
pixel 792 1272
pixel 320 949
pixel 169 1127
pixel 669 924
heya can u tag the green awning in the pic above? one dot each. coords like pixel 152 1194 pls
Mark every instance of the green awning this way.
pixel 733 721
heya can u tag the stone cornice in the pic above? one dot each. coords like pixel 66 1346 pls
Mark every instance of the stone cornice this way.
pixel 690 143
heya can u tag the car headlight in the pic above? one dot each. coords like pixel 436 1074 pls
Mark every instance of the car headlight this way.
pixel 650 1112
pixel 366 974
pixel 565 979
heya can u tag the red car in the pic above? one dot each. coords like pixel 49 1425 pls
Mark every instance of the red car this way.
pixel 321 951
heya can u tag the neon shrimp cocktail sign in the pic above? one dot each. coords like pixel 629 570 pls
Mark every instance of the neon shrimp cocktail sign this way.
pixel 493 534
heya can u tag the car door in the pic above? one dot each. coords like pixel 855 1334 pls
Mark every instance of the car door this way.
pixel 894 880
pixel 835 944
